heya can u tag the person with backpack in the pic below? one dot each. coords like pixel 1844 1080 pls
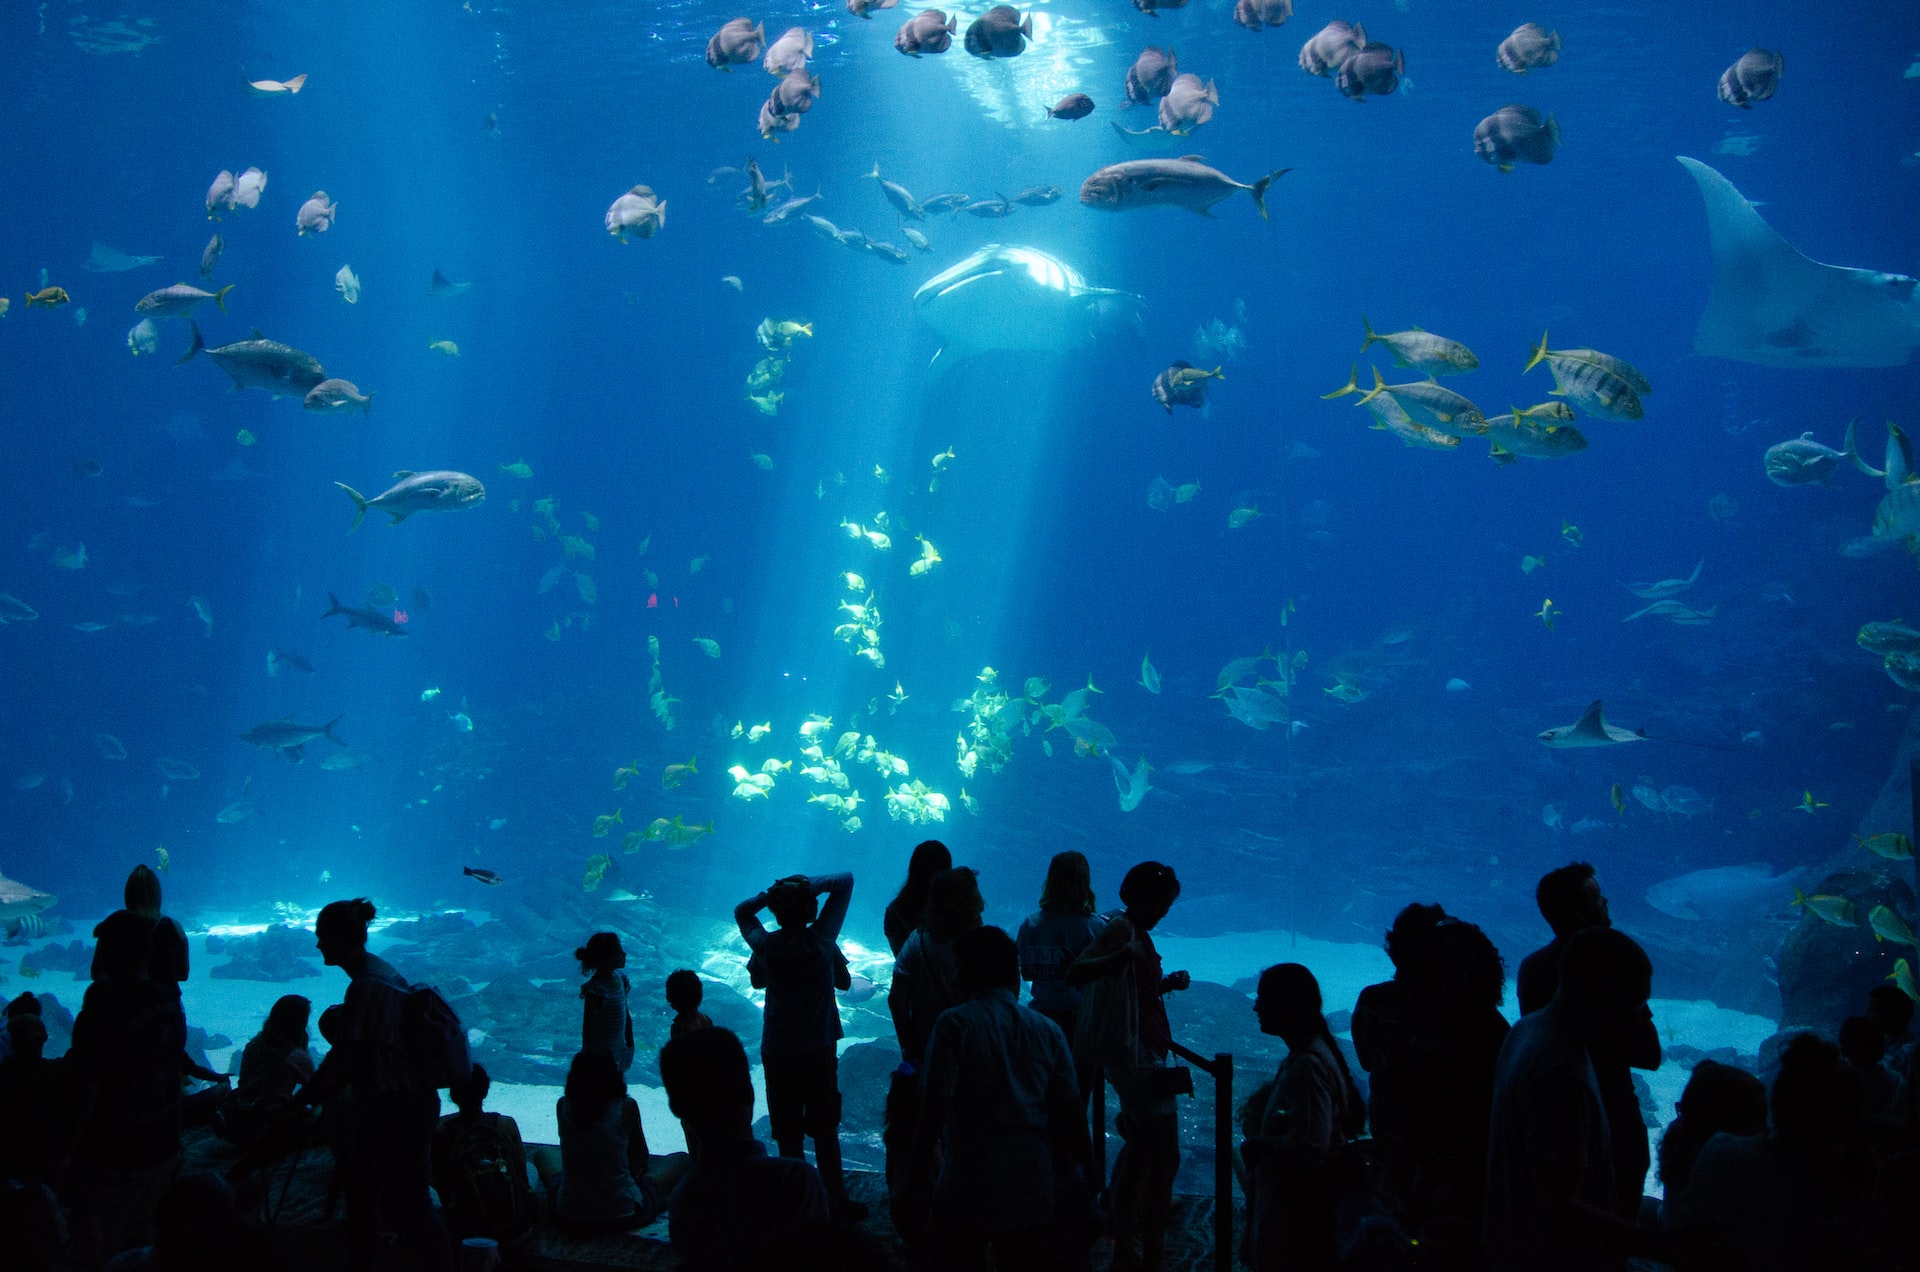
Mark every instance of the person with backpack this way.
pixel 394 1046
pixel 607 1021
pixel 1311 1111
pixel 480 1169
pixel 799 965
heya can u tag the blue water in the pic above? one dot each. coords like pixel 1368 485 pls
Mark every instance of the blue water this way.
pixel 615 372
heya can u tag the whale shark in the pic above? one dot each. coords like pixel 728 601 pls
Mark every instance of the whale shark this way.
pixel 1017 300
pixel 1774 307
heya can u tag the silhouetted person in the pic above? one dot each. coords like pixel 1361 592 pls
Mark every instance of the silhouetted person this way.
pixel 393 1110
pixel 908 909
pixel 197 1229
pixel 275 1063
pixel 1719 1099
pixel 21 1004
pixel 32 1093
pixel 603 1178
pixel 1552 1189
pixel 684 995
pixel 142 896
pixel 1891 1012
pixel 1865 1047
pixel 1796 1198
pixel 1570 901
pixel 1313 1107
pixel 1385 1040
pixel 124 1072
pixel 800 1029
pixel 32 1226
pixel 606 1021
pixel 925 980
pixel 999 1097
pixel 737 1209
pixel 1049 941
pixel 480 1169
pixel 1135 1059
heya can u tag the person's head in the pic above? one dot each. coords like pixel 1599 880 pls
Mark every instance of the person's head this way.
pixel 1718 1098
pixel 1605 981
pixel 602 953
pixel 985 958
pixel 1069 885
pixel 792 903
pixel 684 990
pixel 1464 965
pixel 24 1004
pixel 28 1034
pixel 954 903
pixel 287 1020
pixel 142 893
pixel 594 1081
pixel 331 1025
pixel 124 946
pixel 1889 1008
pixel 1287 1002
pixel 1149 891
pixel 1817 1097
pixel 1570 899
pixel 709 1084
pixel 1410 929
pixel 929 858
pixel 470 1095
pixel 340 933
pixel 1861 1042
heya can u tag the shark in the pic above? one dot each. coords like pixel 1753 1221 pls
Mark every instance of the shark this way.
pixel 19 900
pixel 1772 306
pixel 1591 729
pixel 1005 299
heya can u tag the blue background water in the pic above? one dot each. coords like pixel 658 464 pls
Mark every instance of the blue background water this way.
pixel 616 373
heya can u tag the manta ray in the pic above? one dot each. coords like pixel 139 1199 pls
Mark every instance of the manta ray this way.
pixel 1016 300
pixel 111 260
pixel 1591 729
pixel 1774 307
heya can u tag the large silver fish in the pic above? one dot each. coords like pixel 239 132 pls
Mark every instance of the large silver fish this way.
pixel 259 363
pixel 1186 182
pixel 440 491
pixel 288 738
pixel 180 300
pixel 18 900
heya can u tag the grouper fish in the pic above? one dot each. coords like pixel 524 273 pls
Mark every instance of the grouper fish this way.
pixel 260 363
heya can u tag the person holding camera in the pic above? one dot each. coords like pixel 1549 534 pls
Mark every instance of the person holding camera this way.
pixel 799 964
pixel 1123 1027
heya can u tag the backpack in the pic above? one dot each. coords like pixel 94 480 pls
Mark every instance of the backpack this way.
pixel 433 1038
pixel 483 1186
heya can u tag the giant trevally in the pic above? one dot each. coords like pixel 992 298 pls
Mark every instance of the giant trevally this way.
pixel 260 363
pixel 1185 182
pixel 440 491
pixel 290 738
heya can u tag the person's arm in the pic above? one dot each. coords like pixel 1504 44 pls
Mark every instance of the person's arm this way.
pixel 1643 1041
pixel 900 1002
pixel 199 1071
pixel 636 1139
pixel 1106 954
pixel 747 916
pixel 839 890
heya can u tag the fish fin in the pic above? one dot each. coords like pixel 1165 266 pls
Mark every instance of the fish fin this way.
pixel 1853 453
pixel 1351 386
pixel 297 83
pixel 197 345
pixel 1539 356
pixel 1260 190
pixel 359 511
pixel 1371 338
pixel 367 407
pixel 1379 387
pixel 220 297
pixel 333 604
pixel 328 732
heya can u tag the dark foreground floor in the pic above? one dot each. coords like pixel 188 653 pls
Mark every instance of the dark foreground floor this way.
pixel 307 1239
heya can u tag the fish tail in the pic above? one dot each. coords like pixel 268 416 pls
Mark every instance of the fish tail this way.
pixel 359 511
pixel 1799 898
pixel 333 606
pixel 1219 374
pixel 1539 355
pixel 1852 452
pixel 1553 129
pixel 367 407
pixel 1379 387
pixel 297 83
pixel 1371 337
pixel 328 732
pixel 691 767
pixel 1351 386
pixel 220 297
pixel 875 174
pixel 616 815
pixel 197 345
pixel 1260 190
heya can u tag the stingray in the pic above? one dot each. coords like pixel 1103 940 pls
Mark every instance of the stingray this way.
pixel 1016 300
pixel 111 260
pixel 1774 307
pixel 1591 729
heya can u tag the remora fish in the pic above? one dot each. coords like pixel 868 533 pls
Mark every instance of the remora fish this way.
pixel 439 491
pixel 260 363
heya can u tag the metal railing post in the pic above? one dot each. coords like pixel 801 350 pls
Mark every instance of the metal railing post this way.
pixel 1223 1161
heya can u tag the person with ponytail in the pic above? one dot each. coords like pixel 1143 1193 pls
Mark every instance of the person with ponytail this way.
pixel 1312 1108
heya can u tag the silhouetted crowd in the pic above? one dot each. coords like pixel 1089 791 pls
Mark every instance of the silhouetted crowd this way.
pixel 1475 1146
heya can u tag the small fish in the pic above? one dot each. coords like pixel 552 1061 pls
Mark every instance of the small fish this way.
pixel 1256 14
pixel 337 397
pixel 48 298
pixel 733 281
pixel 1619 800
pixel 789 53
pixel 179 300
pixel 518 468
pixel 483 875
pixel 737 43
pixel 144 338
pixel 163 861
pixel 597 867
pixel 1376 69
pixel 1547 613
pixel 1528 564
pixel 606 822
pixel 929 31
pixel 1183 384
pixel 1573 534
pixel 210 256
pixel 1188 104
pixel 638 213
pixel 999 32
pixel 1888 926
pixel 1529 48
pixel 446 347
pixel 1516 134
pixel 316 215
pixel 1421 350
pixel 1074 106
pixel 1838 911
pixel 1754 78
pixel 1889 844
pixel 1149 675
pixel 347 283
pixel 461 721
pixel 674 774
pixel 1808 804
pixel 276 88
pixel 440 285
